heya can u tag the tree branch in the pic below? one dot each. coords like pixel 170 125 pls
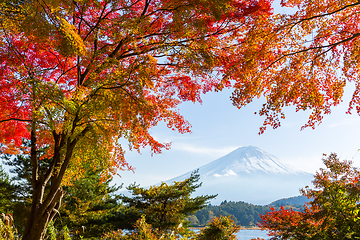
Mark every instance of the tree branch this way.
pixel 16 119
pixel 331 46
pixel 326 14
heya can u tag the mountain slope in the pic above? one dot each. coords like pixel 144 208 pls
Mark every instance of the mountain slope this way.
pixel 297 200
pixel 251 175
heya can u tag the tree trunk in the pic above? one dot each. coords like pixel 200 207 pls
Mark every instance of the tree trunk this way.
pixel 44 208
pixel 37 228
pixel 41 215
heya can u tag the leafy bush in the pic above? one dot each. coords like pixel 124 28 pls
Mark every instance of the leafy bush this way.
pixel 142 230
pixel 220 228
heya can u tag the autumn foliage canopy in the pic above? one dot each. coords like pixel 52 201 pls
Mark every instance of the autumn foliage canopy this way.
pixel 97 71
pixel 304 59
pixel 120 67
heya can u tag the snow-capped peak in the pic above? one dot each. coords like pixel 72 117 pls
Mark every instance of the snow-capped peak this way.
pixel 248 159
pixel 249 174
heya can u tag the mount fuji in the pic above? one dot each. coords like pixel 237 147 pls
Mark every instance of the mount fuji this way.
pixel 251 175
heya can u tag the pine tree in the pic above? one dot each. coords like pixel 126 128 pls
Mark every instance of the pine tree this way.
pixel 89 205
pixel 7 191
pixel 164 206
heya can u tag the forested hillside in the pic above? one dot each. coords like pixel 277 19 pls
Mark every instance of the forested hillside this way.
pixel 242 213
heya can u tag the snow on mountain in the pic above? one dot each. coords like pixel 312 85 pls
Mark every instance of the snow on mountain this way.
pixel 249 174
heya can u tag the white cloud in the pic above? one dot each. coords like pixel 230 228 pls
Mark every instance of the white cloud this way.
pixel 227 174
pixel 230 173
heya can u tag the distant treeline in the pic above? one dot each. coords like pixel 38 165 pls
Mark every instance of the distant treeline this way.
pixel 242 213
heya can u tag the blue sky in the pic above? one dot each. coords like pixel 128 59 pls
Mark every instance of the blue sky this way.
pixel 218 128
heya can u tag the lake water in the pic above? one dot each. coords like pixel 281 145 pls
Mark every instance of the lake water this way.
pixel 245 234
pixel 249 234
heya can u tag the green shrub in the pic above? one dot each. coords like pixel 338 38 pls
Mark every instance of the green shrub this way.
pixel 222 228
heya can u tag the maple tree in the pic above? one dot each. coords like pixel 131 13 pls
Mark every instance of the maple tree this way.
pixel 333 209
pixel 302 59
pixel 76 76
